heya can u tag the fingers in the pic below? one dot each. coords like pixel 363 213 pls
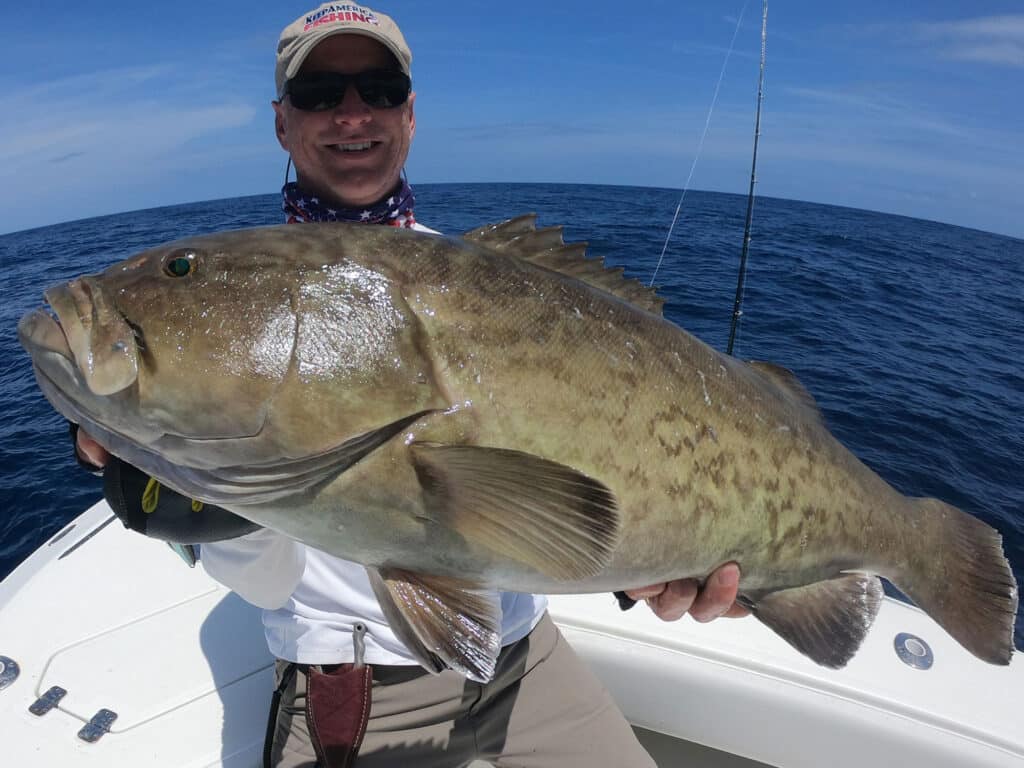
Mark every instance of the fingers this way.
pixel 718 598
pixel 643 593
pixel 90 450
pixel 736 611
pixel 671 601
pixel 675 599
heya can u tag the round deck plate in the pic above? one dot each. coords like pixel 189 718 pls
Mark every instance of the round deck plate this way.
pixel 913 651
pixel 9 671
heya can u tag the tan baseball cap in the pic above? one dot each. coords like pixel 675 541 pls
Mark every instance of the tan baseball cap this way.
pixel 303 34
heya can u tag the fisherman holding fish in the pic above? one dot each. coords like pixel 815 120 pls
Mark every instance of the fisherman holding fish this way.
pixel 453 426
pixel 346 683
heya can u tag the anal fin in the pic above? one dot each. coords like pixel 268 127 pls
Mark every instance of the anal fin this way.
pixel 443 621
pixel 826 621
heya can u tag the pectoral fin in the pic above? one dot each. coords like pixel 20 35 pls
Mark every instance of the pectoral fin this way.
pixel 546 515
pixel 444 622
pixel 827 620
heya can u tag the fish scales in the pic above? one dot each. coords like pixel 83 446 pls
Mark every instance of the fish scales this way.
pixel 598 375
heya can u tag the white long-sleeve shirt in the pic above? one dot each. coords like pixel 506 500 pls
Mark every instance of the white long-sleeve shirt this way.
pixel 311 600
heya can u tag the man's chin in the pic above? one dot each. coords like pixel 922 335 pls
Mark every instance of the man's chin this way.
pixel 353 194
pixel 349 184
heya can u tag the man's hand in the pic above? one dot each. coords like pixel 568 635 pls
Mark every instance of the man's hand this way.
pixel 674 599
pixel 91 451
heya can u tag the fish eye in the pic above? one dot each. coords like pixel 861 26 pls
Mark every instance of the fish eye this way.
pixel 180 264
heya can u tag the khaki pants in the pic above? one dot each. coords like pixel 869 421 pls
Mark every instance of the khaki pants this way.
pixel 543 708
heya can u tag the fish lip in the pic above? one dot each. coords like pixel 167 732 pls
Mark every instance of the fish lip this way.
pixel 93 336
pixel 41 330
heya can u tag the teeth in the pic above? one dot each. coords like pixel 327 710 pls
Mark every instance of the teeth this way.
pixel 358 147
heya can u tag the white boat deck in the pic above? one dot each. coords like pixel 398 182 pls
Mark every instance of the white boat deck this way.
pixel 122 624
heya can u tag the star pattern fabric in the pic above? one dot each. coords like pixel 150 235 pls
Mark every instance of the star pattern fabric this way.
pixel 396 210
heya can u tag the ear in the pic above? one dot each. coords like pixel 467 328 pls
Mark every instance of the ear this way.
pixel 412 115
pixel 280 124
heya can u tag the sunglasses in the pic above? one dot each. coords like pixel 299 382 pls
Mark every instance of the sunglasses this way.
pixel 320 91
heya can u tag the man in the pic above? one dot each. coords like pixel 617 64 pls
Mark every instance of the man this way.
pixel 346 684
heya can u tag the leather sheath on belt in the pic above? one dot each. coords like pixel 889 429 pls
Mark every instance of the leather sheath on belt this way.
pixel 337 711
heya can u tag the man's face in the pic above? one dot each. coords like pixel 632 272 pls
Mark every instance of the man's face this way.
pixel 327 147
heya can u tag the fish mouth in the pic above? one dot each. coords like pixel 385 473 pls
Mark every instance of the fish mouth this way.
pixel 86 332
pixel 41 332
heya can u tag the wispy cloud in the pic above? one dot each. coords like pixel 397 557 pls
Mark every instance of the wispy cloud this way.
pixel 68 156
pixel 888 112
pixel 118 122
pixel 99 141
pixel 123 112
pixel 988 39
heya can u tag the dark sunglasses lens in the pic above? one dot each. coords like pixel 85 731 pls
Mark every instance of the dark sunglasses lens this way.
pixel 382 89
pixel 377 88
pixel 315 95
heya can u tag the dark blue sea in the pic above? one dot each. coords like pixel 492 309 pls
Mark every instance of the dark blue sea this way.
pixel 909 333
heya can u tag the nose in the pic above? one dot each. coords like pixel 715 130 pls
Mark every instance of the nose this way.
pixel 352 108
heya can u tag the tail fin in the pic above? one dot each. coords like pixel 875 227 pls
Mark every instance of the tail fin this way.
pixel 965 582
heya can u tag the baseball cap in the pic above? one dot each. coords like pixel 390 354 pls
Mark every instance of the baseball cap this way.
pixel 302 36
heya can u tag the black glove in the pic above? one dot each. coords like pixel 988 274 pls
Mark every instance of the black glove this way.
pixel 146 506
pixel 625 601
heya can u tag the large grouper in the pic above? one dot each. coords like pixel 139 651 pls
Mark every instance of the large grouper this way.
pixel 495 411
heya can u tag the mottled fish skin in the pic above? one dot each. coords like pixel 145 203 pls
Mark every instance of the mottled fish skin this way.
pixel 283 344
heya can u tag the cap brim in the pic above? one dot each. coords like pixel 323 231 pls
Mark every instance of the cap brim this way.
pixel 312 41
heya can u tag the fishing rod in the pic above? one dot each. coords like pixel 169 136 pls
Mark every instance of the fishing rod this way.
pixel 737 310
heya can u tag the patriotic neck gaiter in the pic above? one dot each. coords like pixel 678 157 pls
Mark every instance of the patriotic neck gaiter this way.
pixel 394 210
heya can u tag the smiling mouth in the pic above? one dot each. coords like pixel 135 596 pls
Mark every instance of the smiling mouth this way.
pixel 354 146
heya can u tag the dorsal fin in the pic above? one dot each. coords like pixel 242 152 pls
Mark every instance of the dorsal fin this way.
pixel 520 237
pixel 788 383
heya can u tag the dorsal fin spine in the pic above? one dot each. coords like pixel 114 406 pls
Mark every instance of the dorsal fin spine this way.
pixel 520 237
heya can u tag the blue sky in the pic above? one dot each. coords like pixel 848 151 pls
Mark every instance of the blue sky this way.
pixel 913 108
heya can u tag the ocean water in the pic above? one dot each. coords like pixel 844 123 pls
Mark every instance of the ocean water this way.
pixel 909 333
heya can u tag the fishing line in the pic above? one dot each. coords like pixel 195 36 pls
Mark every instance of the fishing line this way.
pixel 700 145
